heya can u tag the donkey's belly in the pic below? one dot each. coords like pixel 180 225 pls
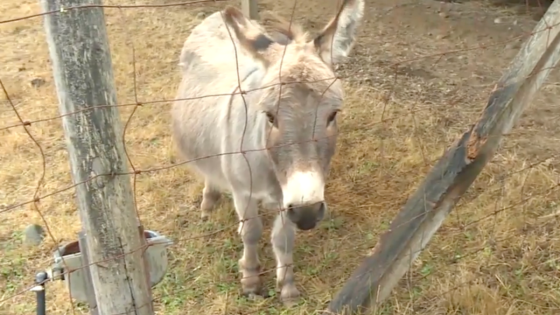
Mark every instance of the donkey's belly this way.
pixel 212 171
pixel 199 145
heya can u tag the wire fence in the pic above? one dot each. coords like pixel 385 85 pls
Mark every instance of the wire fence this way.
pixel 408 98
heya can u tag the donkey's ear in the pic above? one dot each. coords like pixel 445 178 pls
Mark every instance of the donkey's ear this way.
pixel 336 40
pixel 251 38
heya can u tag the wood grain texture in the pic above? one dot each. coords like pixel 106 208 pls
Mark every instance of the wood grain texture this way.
pixel 83 74
pixel 423 214
pixel 250 9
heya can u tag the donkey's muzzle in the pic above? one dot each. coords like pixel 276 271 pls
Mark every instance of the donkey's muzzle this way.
pixel 306 217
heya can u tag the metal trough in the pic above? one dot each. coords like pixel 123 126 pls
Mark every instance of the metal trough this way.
pixel 76 279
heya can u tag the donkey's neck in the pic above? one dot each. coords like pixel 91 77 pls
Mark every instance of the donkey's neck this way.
pixel 246 117
pixel 255 132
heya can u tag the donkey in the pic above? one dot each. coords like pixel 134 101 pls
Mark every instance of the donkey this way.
pixel 269 131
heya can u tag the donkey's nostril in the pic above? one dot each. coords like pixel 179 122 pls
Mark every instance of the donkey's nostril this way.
pixel 290 208
pixel 293 215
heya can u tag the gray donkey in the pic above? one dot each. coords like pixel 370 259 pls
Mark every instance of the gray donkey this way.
pixel 256 116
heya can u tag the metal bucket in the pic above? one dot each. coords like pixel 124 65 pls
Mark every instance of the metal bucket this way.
pixel 76 279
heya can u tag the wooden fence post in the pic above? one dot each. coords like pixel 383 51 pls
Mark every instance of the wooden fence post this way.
pixel 83 74
pixel 413 227
pixel 250 9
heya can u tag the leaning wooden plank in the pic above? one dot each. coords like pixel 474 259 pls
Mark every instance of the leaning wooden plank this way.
pixel 412 229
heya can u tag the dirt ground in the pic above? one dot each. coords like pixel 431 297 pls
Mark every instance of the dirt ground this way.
pixel 494 255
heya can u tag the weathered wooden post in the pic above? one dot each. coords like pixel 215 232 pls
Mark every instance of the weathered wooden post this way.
pixel 83 75
pixel 250 9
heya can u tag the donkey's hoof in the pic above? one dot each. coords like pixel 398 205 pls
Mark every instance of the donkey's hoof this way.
pixel 252 286
pixel 290 296
pixel 291 301
pixel 254 296
pixel 204 217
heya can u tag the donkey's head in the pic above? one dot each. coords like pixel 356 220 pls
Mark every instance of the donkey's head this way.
pixel 299 102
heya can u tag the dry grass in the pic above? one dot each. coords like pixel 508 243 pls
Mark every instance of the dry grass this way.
pixel 493 255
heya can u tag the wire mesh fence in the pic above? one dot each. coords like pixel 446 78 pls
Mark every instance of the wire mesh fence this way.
pixel 417 79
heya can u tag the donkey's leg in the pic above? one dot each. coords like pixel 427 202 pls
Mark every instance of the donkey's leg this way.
pixel 283 236
pixel 250 229
pixel 210 195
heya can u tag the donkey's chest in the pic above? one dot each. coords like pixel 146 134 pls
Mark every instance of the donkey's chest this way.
pixel 255 176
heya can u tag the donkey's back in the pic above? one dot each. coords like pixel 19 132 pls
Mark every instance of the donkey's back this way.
pixel 210 65
pixel 209 59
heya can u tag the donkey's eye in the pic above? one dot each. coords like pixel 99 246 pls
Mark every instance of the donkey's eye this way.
pixel 270 118
pixel 332 117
